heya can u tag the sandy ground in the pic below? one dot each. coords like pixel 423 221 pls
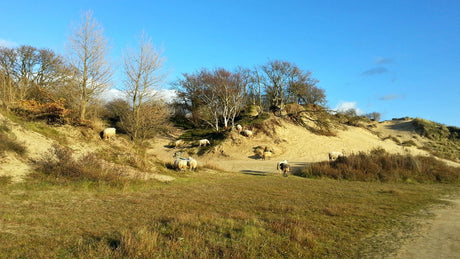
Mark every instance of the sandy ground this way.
pixel 292 143
pixel 439 237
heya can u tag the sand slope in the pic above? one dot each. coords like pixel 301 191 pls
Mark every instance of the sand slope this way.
pixel 295 144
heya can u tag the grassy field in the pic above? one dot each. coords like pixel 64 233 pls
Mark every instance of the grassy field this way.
pixel 209 214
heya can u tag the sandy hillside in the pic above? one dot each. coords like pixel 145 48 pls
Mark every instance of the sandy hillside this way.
pixel 295 144
pixel 289 142
pixel 38 146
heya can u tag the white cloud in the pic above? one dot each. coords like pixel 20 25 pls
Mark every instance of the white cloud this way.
pixel 346 106
pixel 7 43
pixel 163 94
pixel 112 94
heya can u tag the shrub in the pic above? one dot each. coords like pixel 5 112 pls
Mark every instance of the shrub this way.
pixel 381 166
pixel 53 112
pixel 61 167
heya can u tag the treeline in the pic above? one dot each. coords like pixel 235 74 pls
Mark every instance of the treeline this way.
pixel 217 96
pixel 40 84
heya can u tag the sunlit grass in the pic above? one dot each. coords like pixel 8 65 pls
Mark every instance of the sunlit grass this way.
pixel 205 215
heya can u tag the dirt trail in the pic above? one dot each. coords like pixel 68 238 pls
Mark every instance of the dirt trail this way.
pixel 438 237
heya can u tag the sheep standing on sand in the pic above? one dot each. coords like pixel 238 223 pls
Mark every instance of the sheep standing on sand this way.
pixel 239 128
pixel 247 133
pixel 335 155
pixel 204 142
pixel 283 166
pixel 266 155
pixel 108 133
pixel 179 143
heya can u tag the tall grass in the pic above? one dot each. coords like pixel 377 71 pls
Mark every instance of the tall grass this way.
pixel 381 166
pixel 59 166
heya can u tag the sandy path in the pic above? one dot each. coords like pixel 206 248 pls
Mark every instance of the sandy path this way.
pixel 439 237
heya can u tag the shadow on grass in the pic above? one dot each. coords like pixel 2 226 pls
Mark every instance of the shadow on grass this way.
pixel 254 172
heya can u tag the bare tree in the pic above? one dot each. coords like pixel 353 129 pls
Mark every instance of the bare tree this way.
pixel 285 82
pixel 88 50
pixel 143 70
pixel 8 59
pixel 26 71
pixel 215 97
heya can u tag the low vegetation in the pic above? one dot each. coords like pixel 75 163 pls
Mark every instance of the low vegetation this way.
pixel 59 166
pixel 444 141
pixel 381 166
pixel 208 215
pixel 8 142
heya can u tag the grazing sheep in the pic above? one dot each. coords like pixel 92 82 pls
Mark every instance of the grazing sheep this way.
pixel 283 166
pixel 266 155
pixel 247 133
pixel 180 163
pixel 334 155
pixel 179 143
pixel 108 133
pixel 204 142
pixel 239 128
pixel 192 164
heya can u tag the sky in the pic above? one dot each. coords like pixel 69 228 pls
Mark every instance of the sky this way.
pixel 396 57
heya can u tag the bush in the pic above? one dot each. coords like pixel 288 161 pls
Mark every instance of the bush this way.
pixel 60 166
pixel 381 166
pixel 52 112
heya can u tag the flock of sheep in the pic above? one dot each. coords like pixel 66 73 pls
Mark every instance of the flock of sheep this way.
pixel 182 163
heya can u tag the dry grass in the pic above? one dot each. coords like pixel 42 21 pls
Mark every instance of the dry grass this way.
pixel 379 165
pixel 9 143
pixel 59 166
pixel 205 215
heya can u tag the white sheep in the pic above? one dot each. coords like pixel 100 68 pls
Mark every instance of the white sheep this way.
pixel 192 164
pixel 204 142
pixel 180 163
pixel 283 166
pixel 247 133
pixel 108 133
pixel 335 155
pixel 179 143
pixel 239 128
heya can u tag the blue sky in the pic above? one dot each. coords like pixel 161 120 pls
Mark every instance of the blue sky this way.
pixel 399 58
